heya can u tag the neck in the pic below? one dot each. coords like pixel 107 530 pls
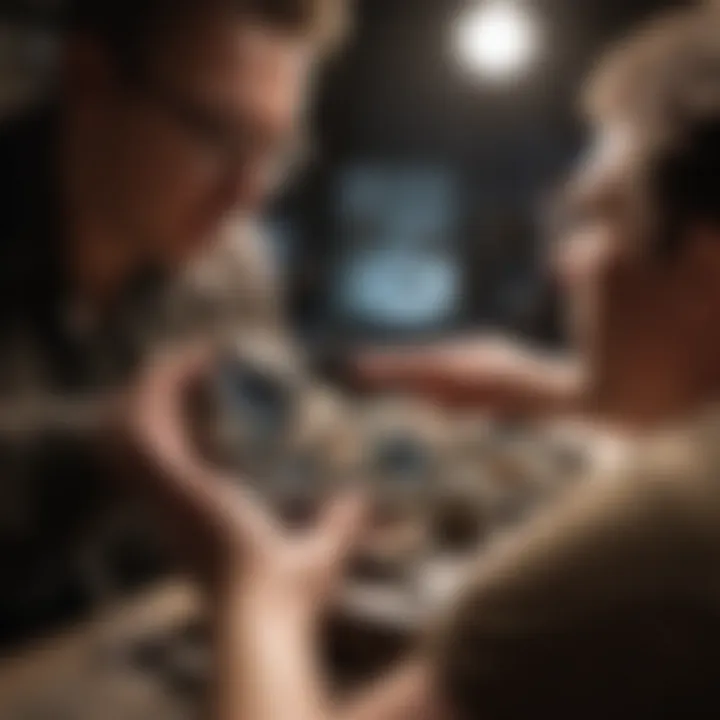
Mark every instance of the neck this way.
pixel 99 259
pixel 651 395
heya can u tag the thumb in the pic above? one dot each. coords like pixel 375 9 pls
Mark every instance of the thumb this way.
pixel 341 526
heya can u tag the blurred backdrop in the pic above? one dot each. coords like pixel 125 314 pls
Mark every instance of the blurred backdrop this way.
pixel 437 133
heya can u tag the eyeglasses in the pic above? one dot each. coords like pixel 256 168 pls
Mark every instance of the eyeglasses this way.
pixel 224 140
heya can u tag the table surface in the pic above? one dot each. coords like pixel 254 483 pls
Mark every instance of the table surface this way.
pixel 71 663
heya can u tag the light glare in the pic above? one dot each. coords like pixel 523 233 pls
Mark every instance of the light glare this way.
pixel 498 40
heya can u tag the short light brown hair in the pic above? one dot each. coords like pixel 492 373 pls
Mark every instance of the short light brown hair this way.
pixel 665 81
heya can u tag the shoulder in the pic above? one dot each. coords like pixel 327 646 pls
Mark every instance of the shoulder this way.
pixel 649 529
pixel 683 467
pixel 621 578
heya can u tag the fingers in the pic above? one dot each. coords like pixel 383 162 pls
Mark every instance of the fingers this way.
pixel 206 508
pixel 252 524
pixel 342 525
pixel 163 415
pixel 158 431
pixel 158 424
pixel 397 367
pixel 164 386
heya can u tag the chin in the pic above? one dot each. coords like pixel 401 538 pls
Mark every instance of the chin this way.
pixel 191 247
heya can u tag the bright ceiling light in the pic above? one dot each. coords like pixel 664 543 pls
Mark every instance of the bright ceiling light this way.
pixel 499 39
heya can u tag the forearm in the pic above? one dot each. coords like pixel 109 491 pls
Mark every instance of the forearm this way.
pixel 530 384
pixel 266 661
pixel 493 374
pixel 267 667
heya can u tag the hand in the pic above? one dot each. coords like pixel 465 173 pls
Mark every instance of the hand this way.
pixel 493 373
pixel 440 370
pixel 460 355
pixel 220 529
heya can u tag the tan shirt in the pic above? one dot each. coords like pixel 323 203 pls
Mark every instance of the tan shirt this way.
pixel 608 605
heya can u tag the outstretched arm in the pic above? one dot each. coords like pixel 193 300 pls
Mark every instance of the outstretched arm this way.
pixel 495 373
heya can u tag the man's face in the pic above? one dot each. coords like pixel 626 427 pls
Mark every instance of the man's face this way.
pixel 625 301
pixel 204 133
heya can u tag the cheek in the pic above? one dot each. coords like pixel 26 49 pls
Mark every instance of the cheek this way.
pixel 585 259
pixel 172 183
pixel 585 266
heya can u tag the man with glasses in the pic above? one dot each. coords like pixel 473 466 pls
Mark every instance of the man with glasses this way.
pixel 126 209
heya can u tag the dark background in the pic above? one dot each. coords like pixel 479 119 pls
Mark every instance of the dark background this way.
pixel 398 98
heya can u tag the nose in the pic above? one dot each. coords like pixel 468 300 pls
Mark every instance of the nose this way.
pixel 247 189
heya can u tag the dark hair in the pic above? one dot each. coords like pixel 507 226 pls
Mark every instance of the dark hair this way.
pixel 665 81
pixel 131 29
